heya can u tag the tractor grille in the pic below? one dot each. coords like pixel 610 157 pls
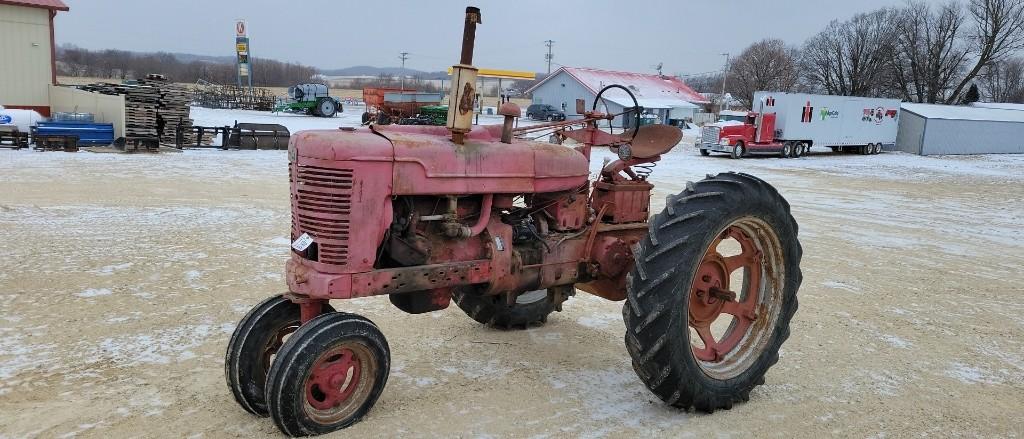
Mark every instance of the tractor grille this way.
pixel 709 134
pixel 322 207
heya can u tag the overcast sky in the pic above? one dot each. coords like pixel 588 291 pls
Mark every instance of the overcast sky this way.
pixel 688 37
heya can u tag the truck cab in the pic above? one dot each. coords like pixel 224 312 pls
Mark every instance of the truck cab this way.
pixel 755 134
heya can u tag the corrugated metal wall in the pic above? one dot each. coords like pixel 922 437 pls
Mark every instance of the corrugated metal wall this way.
pixel 910 133
pixel 25 74
pixel 944 136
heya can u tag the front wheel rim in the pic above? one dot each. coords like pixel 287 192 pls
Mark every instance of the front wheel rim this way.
pixel 339 382
pixel 747 311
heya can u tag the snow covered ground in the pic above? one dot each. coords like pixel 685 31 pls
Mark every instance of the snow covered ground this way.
pixel 123 276
pixel 351 116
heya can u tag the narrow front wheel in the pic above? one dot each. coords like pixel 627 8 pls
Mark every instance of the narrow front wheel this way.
pixel 253 346
pixel 712 292
pixel 328 375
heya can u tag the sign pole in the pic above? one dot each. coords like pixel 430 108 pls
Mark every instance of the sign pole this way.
pixel 242 61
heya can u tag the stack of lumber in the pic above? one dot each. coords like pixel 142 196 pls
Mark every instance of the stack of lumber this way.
pixel 173 111
pixel 154 108
pixel 140 106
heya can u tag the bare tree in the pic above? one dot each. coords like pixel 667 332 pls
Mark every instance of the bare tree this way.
pixel 930 54
pixel 705 83
pixel 851 57
pixel 765 65
pixel 119 64
pixel 998 33
pixel 1003 81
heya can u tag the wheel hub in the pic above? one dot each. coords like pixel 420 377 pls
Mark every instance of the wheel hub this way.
pixel 710 295
pixel 712 275
pixel 333 379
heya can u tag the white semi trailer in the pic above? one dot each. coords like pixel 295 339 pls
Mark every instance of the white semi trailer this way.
pixel 789 124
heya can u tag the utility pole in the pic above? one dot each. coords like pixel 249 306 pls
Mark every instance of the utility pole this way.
pixel 403 56
pixel 725 75
pixel 549 56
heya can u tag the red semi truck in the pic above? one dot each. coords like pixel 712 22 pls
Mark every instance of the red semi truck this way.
pixel 789 124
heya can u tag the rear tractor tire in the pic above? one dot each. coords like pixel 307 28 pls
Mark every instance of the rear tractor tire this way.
pixel 712 292
pixel 254 344
pixel 529 309
pixel 328 375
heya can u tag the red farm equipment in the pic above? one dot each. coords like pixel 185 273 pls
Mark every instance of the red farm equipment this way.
pixel 510 229
pixel 402 106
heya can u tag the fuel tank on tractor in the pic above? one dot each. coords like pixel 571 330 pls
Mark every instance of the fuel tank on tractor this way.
pixel 425 161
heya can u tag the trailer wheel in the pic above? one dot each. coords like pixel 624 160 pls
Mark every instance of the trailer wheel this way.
pixel 712 292
pixel 328 375
pixel 530 308
pixel 739 150
pixel 326 107
pixel 798 149
pixel 787 150
pixel 878 148
pixel 255 342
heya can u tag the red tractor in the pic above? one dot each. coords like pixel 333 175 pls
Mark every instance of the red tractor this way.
pixel 510 229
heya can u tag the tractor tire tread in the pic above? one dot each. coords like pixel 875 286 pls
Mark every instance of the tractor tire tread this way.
pixel 665 364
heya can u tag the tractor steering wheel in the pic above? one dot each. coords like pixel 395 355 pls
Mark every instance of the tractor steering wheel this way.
pixel 636 108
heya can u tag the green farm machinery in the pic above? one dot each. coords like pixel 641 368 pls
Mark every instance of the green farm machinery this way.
pixel 312 99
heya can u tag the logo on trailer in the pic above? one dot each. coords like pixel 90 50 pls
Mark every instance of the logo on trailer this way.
pixel 829 114
pixel 808 113
pixel 769 101
pixel 879 114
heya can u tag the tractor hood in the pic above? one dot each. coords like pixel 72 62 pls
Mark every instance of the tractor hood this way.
pixel 426 162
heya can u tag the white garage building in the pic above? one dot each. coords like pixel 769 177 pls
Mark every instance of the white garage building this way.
pixel 665 97
pixel 930 129
pixel 28 65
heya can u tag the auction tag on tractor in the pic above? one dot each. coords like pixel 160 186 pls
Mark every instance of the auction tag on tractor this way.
pixel 302 242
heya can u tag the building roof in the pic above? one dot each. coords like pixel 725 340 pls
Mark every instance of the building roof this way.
pixel 663 90
pixel 1002 105
pixel 955 112
pixel 55 5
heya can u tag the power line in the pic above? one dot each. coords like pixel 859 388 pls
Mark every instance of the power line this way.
pixel 403 56
pixel 549 55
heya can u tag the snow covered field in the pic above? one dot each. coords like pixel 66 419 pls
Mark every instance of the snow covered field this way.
pixel 351 116
pixel 122 277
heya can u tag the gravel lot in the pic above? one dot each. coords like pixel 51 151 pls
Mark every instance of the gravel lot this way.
pixel 122 277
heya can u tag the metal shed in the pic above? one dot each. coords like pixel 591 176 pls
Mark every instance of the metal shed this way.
pixel 929 129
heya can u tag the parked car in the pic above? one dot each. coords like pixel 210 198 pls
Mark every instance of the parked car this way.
pixel 544 112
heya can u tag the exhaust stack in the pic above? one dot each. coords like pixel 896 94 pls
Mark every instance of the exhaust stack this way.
pixel 463 91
